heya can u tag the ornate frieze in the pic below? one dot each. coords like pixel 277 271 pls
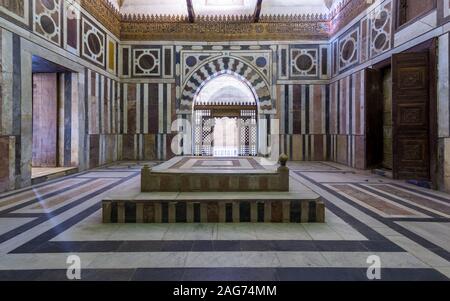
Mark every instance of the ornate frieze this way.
pixel 216 28
pixel 217 31
pixel 207 28
pixel 105 13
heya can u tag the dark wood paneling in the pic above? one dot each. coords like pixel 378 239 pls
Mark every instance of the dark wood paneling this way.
pixel 411 120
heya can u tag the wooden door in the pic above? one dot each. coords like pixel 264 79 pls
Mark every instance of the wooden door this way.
pixel 374 120
pixel 45 105
pixel 410 112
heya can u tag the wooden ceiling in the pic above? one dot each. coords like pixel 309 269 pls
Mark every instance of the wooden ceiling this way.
pixel 193 9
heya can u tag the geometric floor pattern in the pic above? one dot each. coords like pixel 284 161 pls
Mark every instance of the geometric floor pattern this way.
pixel 408 227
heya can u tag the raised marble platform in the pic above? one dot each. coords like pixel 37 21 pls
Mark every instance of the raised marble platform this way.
pixel 215 190
pixel 213 207
pixel 198 174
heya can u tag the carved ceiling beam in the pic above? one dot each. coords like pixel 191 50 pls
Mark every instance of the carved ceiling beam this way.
pixel 257 13
pixel 191 12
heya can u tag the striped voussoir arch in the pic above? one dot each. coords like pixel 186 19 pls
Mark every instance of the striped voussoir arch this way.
pixel 221 65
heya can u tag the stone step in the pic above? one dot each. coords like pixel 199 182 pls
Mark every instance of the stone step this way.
pixel 174 207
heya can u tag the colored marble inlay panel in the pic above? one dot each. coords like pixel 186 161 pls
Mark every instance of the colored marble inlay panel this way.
pixel 445 8
pixel 128 151
pixel 93 43
pixel 360 152
pixel 17 9
pixel 153 108
pixel 1 85
pixel 38 192
pixel 373 201
pixel 94 150
pixel 342 149
pixel 47 19
pixel 149 147
pixel 422 201
pixel 187 163
pixel 4 163
pixel 62 198
pixel 111 55
pixel 131 105
pixel 72 27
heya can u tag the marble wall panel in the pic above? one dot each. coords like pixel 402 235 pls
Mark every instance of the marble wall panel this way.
pixel 146 62
pixel 94 151
pixel 7 164
pixel 150 147
pixel 305 62
pixel 129 147
pixel 93 43
pixel 72 15
pixel 47 20
pixel 2 110
pixel 380 29
pixel 342 149
pixel 16 10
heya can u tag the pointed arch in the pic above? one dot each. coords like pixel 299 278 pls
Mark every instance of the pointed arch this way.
pixel 223 65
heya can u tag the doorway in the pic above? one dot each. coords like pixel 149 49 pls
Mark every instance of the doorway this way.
pixel 402 90
pixel 225 118
pixel 53 153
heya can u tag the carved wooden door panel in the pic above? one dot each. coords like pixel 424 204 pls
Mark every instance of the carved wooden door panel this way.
pixel 411 121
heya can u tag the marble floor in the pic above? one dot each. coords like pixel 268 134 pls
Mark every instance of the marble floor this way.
pixel 408 227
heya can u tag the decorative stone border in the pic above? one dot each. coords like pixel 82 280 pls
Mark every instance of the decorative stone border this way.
pixel 214 211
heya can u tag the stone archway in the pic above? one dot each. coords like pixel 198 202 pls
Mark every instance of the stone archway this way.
pixel 221 65
pixel 224 117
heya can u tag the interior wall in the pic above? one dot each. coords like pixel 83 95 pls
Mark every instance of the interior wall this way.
pixel 68 120
pixel 45 120
pixel 347 120
pixel 303 112
pixel 444 113
pixel 125 112
pixel 88 113
pixel 104 121
pixel 10 111
pixel 411 9
pixel 148 112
